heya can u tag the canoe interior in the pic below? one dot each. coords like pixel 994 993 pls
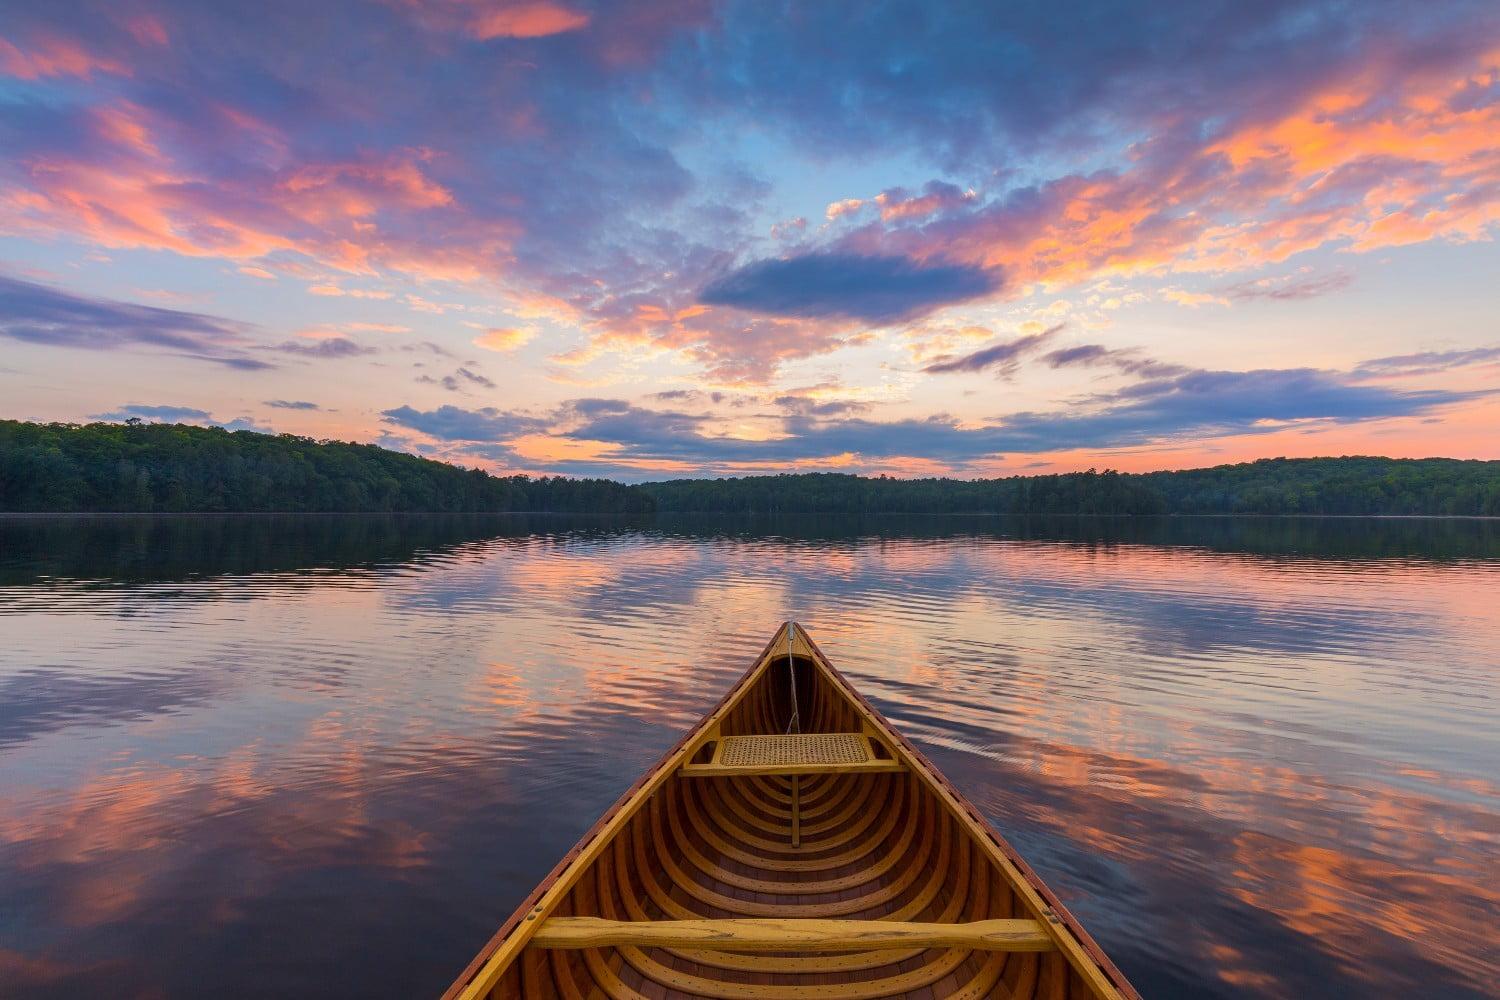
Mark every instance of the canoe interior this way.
pixel 892 846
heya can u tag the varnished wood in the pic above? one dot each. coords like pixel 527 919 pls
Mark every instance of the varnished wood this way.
pixel 836 863
pixel 796 813
pixel 774 935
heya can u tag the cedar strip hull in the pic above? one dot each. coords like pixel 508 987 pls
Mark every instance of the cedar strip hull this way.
pixel 899 845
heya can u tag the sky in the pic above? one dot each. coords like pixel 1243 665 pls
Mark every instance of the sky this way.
pixel 675 238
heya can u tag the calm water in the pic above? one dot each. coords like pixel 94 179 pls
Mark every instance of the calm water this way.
pixel 327 755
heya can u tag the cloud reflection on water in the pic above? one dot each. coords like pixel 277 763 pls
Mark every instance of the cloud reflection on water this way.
pixel 1254 769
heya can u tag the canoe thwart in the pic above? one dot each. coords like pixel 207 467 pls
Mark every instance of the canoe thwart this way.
pixel 791 754
pixel 790 934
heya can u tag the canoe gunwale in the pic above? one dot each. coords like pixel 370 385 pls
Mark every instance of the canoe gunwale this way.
pixel 1063 924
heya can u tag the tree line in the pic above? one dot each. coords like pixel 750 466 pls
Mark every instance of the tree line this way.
pixel 178 467
pixel 1350 485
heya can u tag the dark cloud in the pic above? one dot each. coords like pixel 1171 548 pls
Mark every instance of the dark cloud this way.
pixel 1188 404
pixel 969 82
pixel 1083 354
pixel 1127 361
pixel 429 347
pixel 805 406
pixel 244 424
pixel 451 423
pixel 291 404
pixel 874 289
pixel 169 414
pixel 1002 356
pixel 458 380
pixel 1169 404
pixel 618 421
pixel 1426 362
pixel 488 452
pixel 474 378
pixel 327 347
pixel 1290 289
pixel 39 314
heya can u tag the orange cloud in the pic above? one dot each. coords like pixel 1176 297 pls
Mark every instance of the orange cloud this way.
pixel 504 338
pixel 848 206
pixel 527 20
pixel 1366 161
pixel 329 290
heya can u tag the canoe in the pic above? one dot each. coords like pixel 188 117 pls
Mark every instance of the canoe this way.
pixel 792 844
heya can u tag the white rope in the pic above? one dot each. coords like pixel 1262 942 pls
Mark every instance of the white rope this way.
pixel 794 724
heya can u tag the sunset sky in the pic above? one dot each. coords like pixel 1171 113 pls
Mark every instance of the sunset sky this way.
pixel 657 239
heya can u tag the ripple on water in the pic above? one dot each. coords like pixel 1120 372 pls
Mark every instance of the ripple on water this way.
pixel 1256 759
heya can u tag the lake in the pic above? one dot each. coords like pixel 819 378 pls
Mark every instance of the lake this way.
pixel 314 755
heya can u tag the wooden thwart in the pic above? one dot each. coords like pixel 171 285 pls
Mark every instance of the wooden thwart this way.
pixel 791 935
pixel 791 754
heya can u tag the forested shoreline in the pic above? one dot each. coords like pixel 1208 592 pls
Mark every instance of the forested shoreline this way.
pixel 1328 486
pixel 184 468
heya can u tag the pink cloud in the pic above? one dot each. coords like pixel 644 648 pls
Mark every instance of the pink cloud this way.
pixel 527 20
pixel 896 205
pixel 50 56
pixel 139 188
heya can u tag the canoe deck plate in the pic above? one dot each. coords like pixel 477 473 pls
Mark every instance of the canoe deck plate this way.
pixel 805 748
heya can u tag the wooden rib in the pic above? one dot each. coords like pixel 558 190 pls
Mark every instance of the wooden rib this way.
pixel 650 969
pixel 978 906
pixel 736 852
pixel 838 798
pixel 983 983
pixel 817 791
pixel 713 898
pixel 842 834
pixel 855 802
pixel 606 979
pixel 800 887
pixel 832 813
pixel 719 989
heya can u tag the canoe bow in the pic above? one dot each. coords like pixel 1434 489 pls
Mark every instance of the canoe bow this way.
pixel 792 843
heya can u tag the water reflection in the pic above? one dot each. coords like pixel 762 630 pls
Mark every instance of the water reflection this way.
pixel 293 754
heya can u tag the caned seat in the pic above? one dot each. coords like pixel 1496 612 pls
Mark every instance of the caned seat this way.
pixel 792 754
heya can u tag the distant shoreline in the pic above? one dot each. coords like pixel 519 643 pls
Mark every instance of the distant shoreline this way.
pixel 25 514
pixel 113 468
